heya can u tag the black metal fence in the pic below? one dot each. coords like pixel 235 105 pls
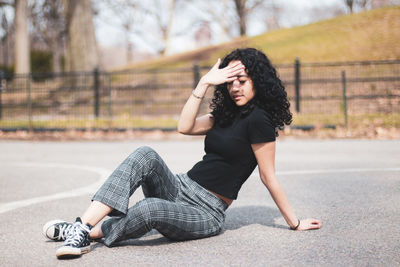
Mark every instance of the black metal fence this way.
pixel 344 93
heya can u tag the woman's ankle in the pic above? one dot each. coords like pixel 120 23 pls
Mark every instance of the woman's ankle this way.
pixel 96 232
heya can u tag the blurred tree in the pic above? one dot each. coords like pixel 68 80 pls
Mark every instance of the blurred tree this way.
pixel 164 24
pixel 383 3
pixel 82 53
pixel 231 15
pixel 22 60
pixel 354 5
pixel 48 21
pixel 4 39
pixel 349 4
pixel 162 14
pixel 149 21
pixel 6 3
pixel 41 61
pixel 126 13
pixel 243 8
pixel 271 14
pixel 363 4
pixel 317 13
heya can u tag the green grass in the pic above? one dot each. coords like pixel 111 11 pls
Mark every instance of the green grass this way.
pixel 355 121
pixel 120 122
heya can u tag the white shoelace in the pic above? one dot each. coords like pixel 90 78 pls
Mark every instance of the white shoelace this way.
pixel 64 230
pixel 76 234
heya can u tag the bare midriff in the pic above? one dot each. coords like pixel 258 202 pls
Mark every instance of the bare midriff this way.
pixel 228 201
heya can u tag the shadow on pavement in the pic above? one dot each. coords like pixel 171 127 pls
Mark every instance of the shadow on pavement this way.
pixel 247 215
pixel 235 219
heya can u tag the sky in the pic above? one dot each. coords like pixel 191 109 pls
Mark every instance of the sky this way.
pixel 296 12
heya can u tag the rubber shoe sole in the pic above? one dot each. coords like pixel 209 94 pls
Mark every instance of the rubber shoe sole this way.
pixel 66 252
pixel 49 230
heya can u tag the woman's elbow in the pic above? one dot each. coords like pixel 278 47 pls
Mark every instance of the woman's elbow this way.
pixel 182 129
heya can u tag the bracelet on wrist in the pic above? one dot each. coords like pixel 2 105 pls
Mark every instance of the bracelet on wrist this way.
pixel 196 96
pixel 297 226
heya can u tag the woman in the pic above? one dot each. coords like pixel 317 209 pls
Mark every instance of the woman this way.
pixel 249 106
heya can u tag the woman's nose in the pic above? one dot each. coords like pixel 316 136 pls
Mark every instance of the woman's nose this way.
pixel 235 84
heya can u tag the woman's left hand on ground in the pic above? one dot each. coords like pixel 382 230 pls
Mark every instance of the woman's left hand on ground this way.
pixel 309 224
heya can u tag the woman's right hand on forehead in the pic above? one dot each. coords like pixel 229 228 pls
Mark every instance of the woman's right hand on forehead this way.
pixel 228 74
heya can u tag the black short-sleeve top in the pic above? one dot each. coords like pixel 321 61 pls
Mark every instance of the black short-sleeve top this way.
pixel 229 158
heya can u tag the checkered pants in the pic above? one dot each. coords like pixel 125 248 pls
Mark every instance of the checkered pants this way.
pixel 175 205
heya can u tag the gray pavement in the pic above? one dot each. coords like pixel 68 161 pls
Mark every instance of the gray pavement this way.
pixel 353 186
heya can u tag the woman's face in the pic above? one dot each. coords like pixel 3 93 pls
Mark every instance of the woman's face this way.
pixel 241 89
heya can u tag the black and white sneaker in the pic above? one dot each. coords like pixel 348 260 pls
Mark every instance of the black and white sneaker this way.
pixel 77 242
pixel 57 230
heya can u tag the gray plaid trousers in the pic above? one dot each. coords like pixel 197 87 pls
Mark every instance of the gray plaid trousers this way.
pixel 174 205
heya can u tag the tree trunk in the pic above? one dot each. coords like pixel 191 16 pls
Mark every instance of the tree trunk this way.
pixel 350 4
pixel 82 53
pixel 167 32
pixel 128 44
pixel 242 15
pixel 56 53
pixel 4 40
pixel 22 59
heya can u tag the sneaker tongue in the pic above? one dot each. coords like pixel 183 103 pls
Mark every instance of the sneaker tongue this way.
pixel 89 226
pixel 78 220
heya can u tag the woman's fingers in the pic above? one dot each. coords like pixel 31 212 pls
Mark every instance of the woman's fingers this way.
pixel 310 224
pixel 230 79
pixel 315 224
pixel 234 71
pixel 238 68
pixel 238 63
pixel 231 73
pixel 216 65
pixel 235 67
pixel 228 74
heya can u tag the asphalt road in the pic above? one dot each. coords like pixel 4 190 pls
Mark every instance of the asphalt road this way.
pixel 353 186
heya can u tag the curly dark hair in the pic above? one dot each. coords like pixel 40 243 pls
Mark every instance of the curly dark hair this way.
pixel 270 93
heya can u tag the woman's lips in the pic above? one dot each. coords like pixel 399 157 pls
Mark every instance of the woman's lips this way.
pixel 237 97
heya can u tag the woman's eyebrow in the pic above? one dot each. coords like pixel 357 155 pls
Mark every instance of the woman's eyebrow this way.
pixel 239 76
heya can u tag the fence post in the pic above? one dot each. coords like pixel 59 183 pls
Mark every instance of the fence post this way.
pixel 96 92
pixel 344 98
pixel 109 101
pixel 196 74
pixel 297 83
pixel 29 101
pixel 1 90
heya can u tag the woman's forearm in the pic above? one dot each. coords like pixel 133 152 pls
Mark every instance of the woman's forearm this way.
pixel 191 108
pixel 281 200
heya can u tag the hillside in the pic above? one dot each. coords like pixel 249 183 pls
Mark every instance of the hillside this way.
pixel 370 35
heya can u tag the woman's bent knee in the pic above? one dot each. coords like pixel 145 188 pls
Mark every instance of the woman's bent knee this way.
pixel 145 152
pixel 144 149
